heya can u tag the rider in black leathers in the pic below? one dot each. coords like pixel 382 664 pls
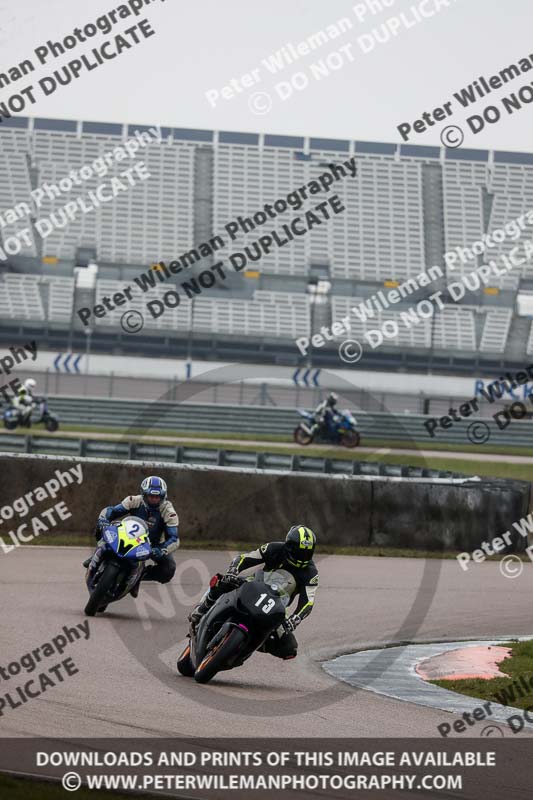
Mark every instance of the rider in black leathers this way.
pixel 295 555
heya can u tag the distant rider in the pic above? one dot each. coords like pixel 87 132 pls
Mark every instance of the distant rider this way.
pixel 152 506
pixel 295 555
pixel 325 414
pixel 25 402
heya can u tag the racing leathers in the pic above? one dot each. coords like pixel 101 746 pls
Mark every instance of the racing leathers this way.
pixel 325 414
pixel 24 402
pixel 162 524
pixel 281 643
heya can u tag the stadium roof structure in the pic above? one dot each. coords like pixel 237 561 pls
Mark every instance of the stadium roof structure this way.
pixel 298 143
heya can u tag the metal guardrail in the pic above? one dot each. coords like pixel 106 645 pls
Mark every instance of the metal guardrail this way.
pixel 211 418
pixel 141 451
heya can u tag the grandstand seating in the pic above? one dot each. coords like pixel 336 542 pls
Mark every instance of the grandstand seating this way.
pixel 529 346
pixel 20 298
pixel 496 330
pixel 265 316
pixel 151 221
pixel 251 318
pixel 463 215
pixel 15 185
pixel 412 335
pixel 381 236
pixel 455 329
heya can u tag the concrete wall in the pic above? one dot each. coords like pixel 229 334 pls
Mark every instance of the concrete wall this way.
pixel 253 506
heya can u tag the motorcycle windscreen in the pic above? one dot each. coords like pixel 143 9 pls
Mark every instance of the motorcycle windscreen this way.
pixel 348 417
pixel 129 538
pixel 280 581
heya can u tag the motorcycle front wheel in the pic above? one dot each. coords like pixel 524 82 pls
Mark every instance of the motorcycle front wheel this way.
pixel 301 436
pixel 10 425
pixel 217 658
pixel 184 663
pixel 105 584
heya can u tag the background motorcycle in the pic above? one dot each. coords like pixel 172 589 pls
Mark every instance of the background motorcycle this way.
pixel 12 418
pixel 345 432
pixel 118 563
pixel 239 622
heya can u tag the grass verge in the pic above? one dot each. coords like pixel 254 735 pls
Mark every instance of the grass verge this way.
pixel 515 690
pixel 271 437
pixel 268 445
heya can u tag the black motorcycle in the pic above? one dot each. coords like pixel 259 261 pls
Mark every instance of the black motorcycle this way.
pixel 237 625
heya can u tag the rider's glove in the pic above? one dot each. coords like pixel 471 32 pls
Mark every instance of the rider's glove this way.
pixel 231 578
pixel 158 553
pixel 101 523
pixel 289 625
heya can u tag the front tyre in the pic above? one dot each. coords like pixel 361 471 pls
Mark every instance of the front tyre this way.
pixel 301 436
pixel 218 657
pixel 184 663
pixel 351 439
pixel 10 424
pixel 98 596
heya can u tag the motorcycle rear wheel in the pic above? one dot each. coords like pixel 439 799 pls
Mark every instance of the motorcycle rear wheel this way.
pixel 98 595
pixel 302 437
pixel 51 425
pixel 217 658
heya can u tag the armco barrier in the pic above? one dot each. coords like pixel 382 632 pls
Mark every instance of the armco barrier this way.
pixel 210 418
pixel 99 447
pixel 225 503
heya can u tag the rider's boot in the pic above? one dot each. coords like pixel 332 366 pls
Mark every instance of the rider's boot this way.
pixel 201 609
pixel 87 562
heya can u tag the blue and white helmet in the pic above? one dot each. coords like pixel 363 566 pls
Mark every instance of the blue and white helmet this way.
pixel 154 491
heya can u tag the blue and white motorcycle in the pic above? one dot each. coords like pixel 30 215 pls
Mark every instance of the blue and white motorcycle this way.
pixel 344 431
pixel 118 563
pixel 12 418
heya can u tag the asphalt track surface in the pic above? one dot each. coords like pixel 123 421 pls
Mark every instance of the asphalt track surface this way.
pixel 127 683
pixel 379 451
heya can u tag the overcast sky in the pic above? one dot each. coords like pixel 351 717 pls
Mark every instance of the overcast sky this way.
pixel 202 45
